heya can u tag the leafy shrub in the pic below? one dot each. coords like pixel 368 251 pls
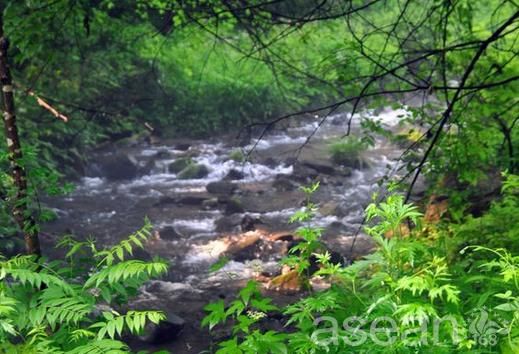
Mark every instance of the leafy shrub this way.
pixel 63 306
pixel 411 290
pixel 42 179
pixel 348 151
pixel 499 227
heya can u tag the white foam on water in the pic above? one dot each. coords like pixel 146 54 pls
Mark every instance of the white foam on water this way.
pixel 260 173
pixel 275 214
pixel 152 151
pixel 147 152
pixel 218 169
pixel 390 117
pixel 91 186
pixel 306 128
pixel 188 189
pixel 214 156
pixel 270 141
pixel 92 182
pixel 59 212
pixel 107 215
pixel 324 221
pixel 206 224
pixel 209 252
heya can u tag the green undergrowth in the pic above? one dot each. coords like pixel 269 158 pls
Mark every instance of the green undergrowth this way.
pixel 348 151
pixel 431 290
pixel 69 305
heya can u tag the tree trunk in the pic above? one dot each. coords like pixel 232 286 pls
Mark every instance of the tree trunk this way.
pixel 20 209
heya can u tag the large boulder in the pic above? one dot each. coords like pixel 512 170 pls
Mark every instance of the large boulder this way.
pixel 329 208
pixel 320 168
pixel 228 223
pixel 114 167
pixel 233 206
pixel 248 223
pixel 221 188
pixel 165 201
pixel 163 154
pixel 284 183
pixel 182 146
pixel 211 203
pixel 169 233
pixel 234 175
pixel 304 173
pixel 191 200
pixel 193 171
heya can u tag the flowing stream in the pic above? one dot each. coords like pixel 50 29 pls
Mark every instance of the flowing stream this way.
pixel 192 225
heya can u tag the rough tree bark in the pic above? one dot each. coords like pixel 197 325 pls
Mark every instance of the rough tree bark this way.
pixel 20 209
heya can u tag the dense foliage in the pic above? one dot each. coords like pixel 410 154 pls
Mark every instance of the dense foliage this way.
pixel 419 292
pixel 64 306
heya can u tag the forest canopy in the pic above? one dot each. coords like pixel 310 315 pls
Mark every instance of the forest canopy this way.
pixel 201 67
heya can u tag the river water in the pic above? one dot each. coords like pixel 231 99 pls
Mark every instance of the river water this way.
pixel 193 225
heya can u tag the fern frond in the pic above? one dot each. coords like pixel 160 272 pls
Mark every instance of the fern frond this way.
pixel 39 341
pixel 7 305
pixel 58 307
pixel 125 246
pixel 36 279
pixel 80 334
pixel 134 321
pixel 132 269
pixel 7 309
pixel 102 346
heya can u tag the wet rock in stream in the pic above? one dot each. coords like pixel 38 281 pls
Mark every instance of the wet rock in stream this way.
pixel 249 223
pixel 228 223
pixel 182 146
pixel 163 154
pixel 284 183
pixel 179 164
pixel 115 167
pixel 234 175
pixel 194 171
pixel 221 188
pixel 233 206
pixel 165 331
pixel 320 167
pixel 169 233
pixel 192 200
